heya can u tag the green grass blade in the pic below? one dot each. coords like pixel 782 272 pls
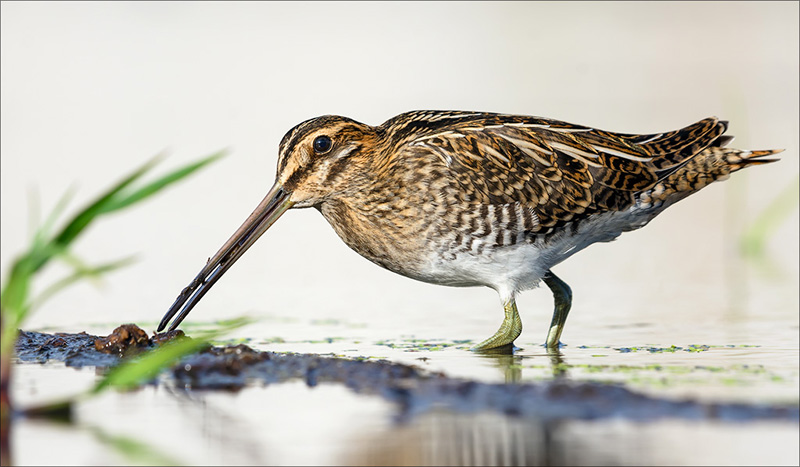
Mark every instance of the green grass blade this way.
pixel 80 267
pixel 81 272
pixel 44 231
pixel 14 306
pixel 11 324
pixel 157 185
pixel 13 300
pixel 88 214
pixel 132 373
pixel 754 240
pixel 135 452
pixel 14 297
pixel 15 291
pixel 34 210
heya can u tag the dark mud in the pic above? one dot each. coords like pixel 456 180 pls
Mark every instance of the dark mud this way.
pixel 413 390
pixel 128 339
pixel 82 349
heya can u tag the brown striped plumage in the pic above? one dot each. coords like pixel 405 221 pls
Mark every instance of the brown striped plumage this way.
pixel 469 198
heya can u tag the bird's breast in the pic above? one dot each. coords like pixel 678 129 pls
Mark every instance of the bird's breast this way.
pixel 469 245
pixel 443 242
pixel 390 235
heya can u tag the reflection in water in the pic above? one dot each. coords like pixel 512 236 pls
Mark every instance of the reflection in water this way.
pixel 220 430
pixel 557 363
pixel 510 363
pixel 445 438
pixel 492 439
pixel 316 409
pixel 505 359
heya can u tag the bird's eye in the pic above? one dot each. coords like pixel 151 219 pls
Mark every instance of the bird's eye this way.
pixel 322 144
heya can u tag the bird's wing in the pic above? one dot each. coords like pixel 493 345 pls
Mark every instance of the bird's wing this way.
pixel 558 169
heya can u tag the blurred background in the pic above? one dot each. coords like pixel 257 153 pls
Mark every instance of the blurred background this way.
pixel 92 90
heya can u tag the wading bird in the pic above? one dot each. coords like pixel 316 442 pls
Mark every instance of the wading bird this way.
pixel 473 198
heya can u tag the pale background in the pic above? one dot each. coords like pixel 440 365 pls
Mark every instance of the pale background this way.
pixel 92 90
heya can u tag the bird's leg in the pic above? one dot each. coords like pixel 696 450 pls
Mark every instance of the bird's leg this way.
pixel 562 295
pixel 509 330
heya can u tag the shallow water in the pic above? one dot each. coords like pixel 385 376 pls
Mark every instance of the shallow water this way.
pixel 295 423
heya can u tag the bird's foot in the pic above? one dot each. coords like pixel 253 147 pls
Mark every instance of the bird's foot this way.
pixel 554 346
pixel 562 296
pixel 507 349
pixel 509 330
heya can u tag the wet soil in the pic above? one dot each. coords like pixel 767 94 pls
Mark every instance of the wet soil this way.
pixel 126 339
pixel 82 349
pixel 414 391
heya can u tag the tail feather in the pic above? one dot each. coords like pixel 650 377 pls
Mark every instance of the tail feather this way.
pixel 738 160
pixel 722 141
pixel 710 165
pixel 677 147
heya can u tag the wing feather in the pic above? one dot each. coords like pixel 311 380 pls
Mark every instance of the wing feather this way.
pixel 559 170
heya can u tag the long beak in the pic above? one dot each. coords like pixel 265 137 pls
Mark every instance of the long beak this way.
pixel 268 211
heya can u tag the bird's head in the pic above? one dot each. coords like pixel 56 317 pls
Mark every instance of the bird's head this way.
pixel 319 159
pixel 324 157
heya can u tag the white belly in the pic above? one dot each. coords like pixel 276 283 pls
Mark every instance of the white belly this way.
pixel 514 268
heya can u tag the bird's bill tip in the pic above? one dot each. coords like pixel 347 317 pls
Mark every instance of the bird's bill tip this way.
pixel 275 203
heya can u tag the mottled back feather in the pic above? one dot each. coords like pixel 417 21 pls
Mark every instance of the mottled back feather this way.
pixel 561 170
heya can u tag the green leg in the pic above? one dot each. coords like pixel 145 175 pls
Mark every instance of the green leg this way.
pixel 562 295
pixel 509 330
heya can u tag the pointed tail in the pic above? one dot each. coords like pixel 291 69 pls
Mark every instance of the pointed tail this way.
pixel 710 165
pixel 737 159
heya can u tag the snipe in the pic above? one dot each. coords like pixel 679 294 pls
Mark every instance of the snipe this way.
pixel 472 198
